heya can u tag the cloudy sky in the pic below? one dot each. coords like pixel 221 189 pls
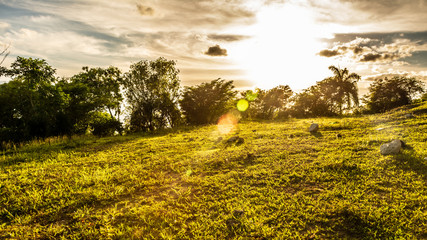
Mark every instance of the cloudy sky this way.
pixel 256 43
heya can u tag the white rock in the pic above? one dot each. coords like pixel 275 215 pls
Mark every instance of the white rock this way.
pixel 392 147
pixel 313 127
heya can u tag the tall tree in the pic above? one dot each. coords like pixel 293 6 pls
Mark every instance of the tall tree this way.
pixel 31 103
pixel 206 102
pixel 152 92
pixel 387 93
pixel 341 89
pixel 103 88
pixel 35 73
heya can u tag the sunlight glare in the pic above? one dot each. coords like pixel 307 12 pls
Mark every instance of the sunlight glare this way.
pixel 227 123
pixel 283 48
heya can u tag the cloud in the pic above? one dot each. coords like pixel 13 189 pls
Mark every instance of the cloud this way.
pixel 227 37
pixel 354 47
pixel 145 10
pixel 216 51
pixel 328 53
pixel 374 50
pixel 372 16
pixel 4 25
pixel 371 57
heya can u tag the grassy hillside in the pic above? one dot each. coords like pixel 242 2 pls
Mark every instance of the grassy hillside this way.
pixel 281 183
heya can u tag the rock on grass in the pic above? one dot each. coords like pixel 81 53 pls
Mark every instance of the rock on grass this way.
pixel 313 128
pixel 392 147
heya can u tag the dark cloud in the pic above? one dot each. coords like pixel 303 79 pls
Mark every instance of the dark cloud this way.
pixel 370 57
pixel 216 51
pixel 227 37
pixel 385 37
pixel 377 47
pixel 145 10
pixel 328 53
pixel 357 50
pixel 357 46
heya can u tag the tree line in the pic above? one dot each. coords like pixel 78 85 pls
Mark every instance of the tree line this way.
pixel 35 103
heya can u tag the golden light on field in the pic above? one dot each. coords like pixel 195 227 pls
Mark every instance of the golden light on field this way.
pixel 227 123
pixel 283 48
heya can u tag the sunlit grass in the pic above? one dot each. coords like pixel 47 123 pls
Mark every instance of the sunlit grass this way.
pixel 281 183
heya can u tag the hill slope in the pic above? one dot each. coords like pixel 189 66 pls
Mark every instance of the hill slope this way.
pixel 281 182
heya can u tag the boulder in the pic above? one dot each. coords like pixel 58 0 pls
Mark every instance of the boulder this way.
pixel 313 127
pixel 392 147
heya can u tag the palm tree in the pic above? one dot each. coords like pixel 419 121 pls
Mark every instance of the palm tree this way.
pixel 345 84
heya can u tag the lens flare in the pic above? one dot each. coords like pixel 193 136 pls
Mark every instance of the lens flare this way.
pixel 227 123
pixel 242 105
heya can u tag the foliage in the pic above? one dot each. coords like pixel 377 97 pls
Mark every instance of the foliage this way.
pixel 269 104
pixel 152 91
pixel 341 89
pixel 93 90
pixel 205 103
pixel 330 96
pixel 31 105
pixel 103 124
pixel 311 103
pixel 281 183
pixel 103 86
pixel 385 94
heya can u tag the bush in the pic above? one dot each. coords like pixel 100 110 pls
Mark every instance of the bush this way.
pixel 102 124
pixel 385 94
pixel 206 102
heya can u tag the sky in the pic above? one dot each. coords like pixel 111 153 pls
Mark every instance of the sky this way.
pixel 255 43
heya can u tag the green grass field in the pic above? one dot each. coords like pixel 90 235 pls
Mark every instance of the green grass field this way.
pixel 281 183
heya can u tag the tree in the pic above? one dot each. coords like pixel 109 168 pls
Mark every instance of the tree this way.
pixel 103 88
pixel 271 103
pixel 152 92
pixel 387 93
pixel 341 89
pixel 205 103
pixel 311 103
pixel 3 55
pixel 30 102
pixel 90 91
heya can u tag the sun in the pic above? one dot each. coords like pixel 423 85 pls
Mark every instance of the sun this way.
pixel 283 49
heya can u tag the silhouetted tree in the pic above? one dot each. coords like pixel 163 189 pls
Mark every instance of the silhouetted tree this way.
pixel 30 102
pixel 205 103
pixel 341 89
pixel 152 92
pixel 311 103
pixel 269 104
pixel 387 93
